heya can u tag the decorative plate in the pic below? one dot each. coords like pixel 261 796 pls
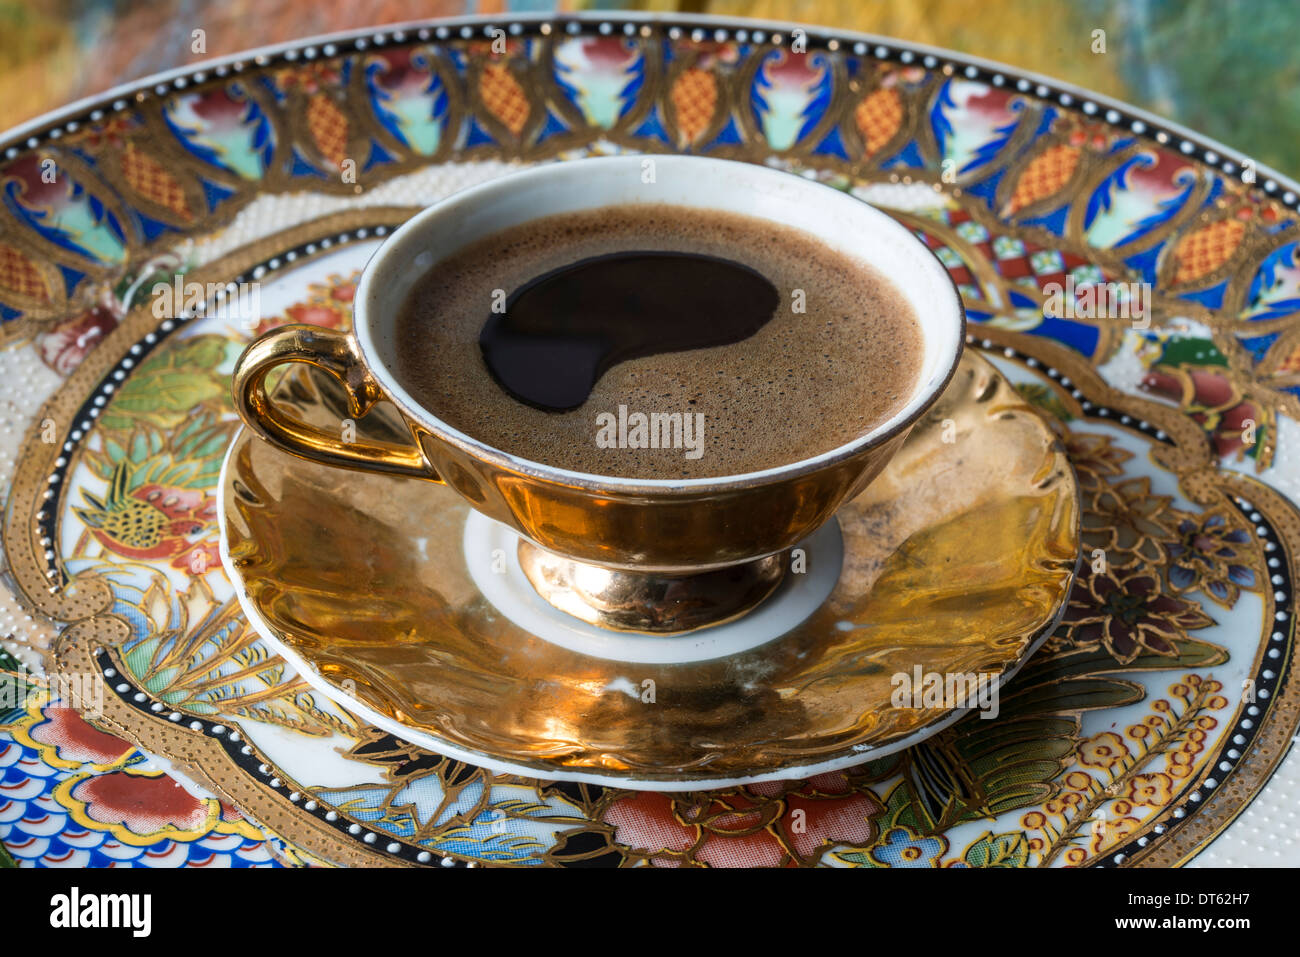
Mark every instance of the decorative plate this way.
pixel 1152 716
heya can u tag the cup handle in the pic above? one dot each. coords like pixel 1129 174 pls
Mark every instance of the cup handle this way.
pixel 336 353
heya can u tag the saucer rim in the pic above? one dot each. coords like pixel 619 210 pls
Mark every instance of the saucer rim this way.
pixel 549 771
pixel 553 773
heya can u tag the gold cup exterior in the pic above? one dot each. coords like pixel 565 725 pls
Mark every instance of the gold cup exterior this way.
pixel 614 523
pixel 671 530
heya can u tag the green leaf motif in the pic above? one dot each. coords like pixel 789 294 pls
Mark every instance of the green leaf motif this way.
pixel 1192 352
pixel 9 663
pixel 981 768
pixel 900 810
pixel 166 387
pixel 187 458
pixel 1261 441
pixel 14 688
pixel 856 858
pixel 999 850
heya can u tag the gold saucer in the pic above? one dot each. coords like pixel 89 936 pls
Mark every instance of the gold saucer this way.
pixel 957 560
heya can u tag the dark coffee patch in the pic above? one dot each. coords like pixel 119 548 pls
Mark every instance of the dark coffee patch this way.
pixel 562 331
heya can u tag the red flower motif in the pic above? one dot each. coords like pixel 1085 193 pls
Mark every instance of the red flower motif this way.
pixel 220 107
pixel 75 740
pixel 329 304
pixel 1291 363
pixel 712 53
pixel 764 825
pixel 1210 389
pixel 143 804
pixel 1212 400
pixel 64 346
pixel 1229 436
pixel 315 315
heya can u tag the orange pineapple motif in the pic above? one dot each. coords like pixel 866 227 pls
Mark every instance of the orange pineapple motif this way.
pixel 19 274
pixel 1205 250
pixel 328 127
pixel 695 100
pixel 503 97
pixel 150 179
pixel 1046 175
pixel 878 117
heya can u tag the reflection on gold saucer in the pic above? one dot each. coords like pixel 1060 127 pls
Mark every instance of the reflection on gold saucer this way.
pixel 956 560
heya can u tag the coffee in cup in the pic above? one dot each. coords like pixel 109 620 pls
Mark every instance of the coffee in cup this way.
pixel 660 342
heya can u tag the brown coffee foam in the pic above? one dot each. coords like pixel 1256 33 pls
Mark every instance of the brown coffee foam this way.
pixel 804 384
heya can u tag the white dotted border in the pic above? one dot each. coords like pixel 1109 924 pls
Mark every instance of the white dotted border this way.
pixel 634 25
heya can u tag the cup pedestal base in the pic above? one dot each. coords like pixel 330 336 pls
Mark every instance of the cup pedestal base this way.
pixel 650 602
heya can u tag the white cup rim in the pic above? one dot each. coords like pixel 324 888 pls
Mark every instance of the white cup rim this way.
pixel 947 305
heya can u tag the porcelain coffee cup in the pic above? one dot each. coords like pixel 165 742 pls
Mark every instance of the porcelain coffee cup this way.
pixel 623 546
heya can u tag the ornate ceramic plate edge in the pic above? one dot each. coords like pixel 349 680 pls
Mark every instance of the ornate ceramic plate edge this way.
pixel 32 133
pixel 1183 842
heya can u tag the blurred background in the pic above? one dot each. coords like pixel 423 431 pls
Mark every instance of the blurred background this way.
pixel 1227 68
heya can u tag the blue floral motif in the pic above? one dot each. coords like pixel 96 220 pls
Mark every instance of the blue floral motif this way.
pixel 900 847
